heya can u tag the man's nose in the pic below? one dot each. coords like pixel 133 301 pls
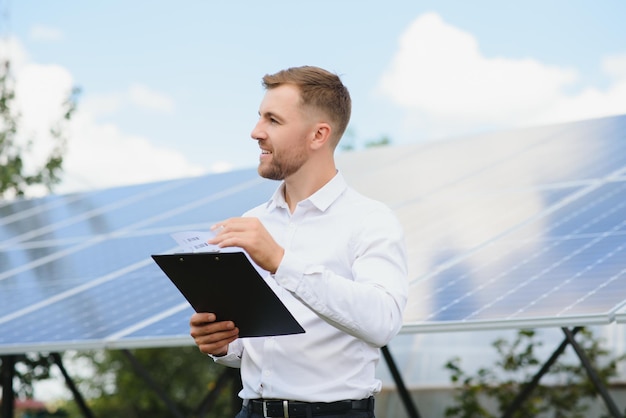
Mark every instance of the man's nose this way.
pixel 257 132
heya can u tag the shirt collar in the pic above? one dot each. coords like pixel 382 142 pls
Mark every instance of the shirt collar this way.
pixel 321 199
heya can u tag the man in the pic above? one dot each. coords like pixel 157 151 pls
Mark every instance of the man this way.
pixel 336 259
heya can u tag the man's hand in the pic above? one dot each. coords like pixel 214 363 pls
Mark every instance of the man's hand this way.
pixel 212 337
pixel 251 235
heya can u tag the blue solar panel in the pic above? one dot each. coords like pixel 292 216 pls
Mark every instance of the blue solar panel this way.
pixel 543 243
pixel 508 229
pixel 82 273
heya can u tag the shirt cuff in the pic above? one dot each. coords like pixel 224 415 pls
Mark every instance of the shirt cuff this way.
pixel 289 272
pixel 231 360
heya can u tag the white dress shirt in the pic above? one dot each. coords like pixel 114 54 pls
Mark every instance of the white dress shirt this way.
pixel 344 278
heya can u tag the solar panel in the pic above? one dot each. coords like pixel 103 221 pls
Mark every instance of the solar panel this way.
pixel 504 230
pixel 518 229
pixel 78 275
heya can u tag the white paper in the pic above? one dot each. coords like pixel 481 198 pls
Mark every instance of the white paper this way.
pixel 196 242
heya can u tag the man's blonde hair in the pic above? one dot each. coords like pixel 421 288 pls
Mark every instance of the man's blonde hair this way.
pixel 319 89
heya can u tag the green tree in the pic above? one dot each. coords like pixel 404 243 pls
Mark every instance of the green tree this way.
pixel 567 393
pixel 381 142
pixel 349 141
pixel 184 374
pixel 30 368
pixel 16 176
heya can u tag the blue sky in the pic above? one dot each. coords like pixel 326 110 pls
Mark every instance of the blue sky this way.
pixel 172 89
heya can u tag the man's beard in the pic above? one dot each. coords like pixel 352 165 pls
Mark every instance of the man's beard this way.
pixel 282 166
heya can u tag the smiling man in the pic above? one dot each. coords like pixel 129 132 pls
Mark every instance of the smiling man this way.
pixel 336 258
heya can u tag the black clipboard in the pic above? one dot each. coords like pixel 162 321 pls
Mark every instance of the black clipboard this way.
pixel 228 285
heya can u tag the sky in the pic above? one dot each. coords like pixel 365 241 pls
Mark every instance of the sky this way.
pixel 172 89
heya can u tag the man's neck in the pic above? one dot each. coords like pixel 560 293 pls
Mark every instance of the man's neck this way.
pixel 304 183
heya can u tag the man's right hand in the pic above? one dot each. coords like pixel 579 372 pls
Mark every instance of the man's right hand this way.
pixel 212 337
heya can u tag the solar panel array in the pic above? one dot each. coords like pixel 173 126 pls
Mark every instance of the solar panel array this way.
pixel 504 230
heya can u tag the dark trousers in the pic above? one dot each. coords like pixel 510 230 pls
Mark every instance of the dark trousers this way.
pixel 248 413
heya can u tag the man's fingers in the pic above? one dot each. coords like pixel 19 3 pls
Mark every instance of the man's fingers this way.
pixel 235 225
pixel 216 343
pixel 201 318
pixel 201 328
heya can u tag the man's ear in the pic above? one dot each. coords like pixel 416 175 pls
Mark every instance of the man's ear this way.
pixel 321 135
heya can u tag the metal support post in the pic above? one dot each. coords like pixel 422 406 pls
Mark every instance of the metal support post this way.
pixel 404 393
pixel 80 401
pixel 528 388
pixel 8 396
pixel 591 373
pixel 593 376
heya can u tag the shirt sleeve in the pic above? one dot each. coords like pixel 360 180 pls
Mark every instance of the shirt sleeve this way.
pixel 370 304
pixel 232 357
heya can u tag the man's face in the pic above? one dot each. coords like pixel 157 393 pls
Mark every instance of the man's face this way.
pixel 282 132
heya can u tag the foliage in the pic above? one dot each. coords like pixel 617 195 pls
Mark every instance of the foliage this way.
pixel 30 368
pixel 15 174
pixel 567 394
pixel 382 142
pixel 349 142
pixel 185 375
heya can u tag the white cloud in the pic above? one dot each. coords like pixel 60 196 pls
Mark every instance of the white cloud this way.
pixel 145 97
pixel 615 66
pixel 45 33
pixel 136 95
pixel 448 87
pixel 98 155
pixel 11 49
pixel 40 92
pixel 102 104
pixel 221 167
